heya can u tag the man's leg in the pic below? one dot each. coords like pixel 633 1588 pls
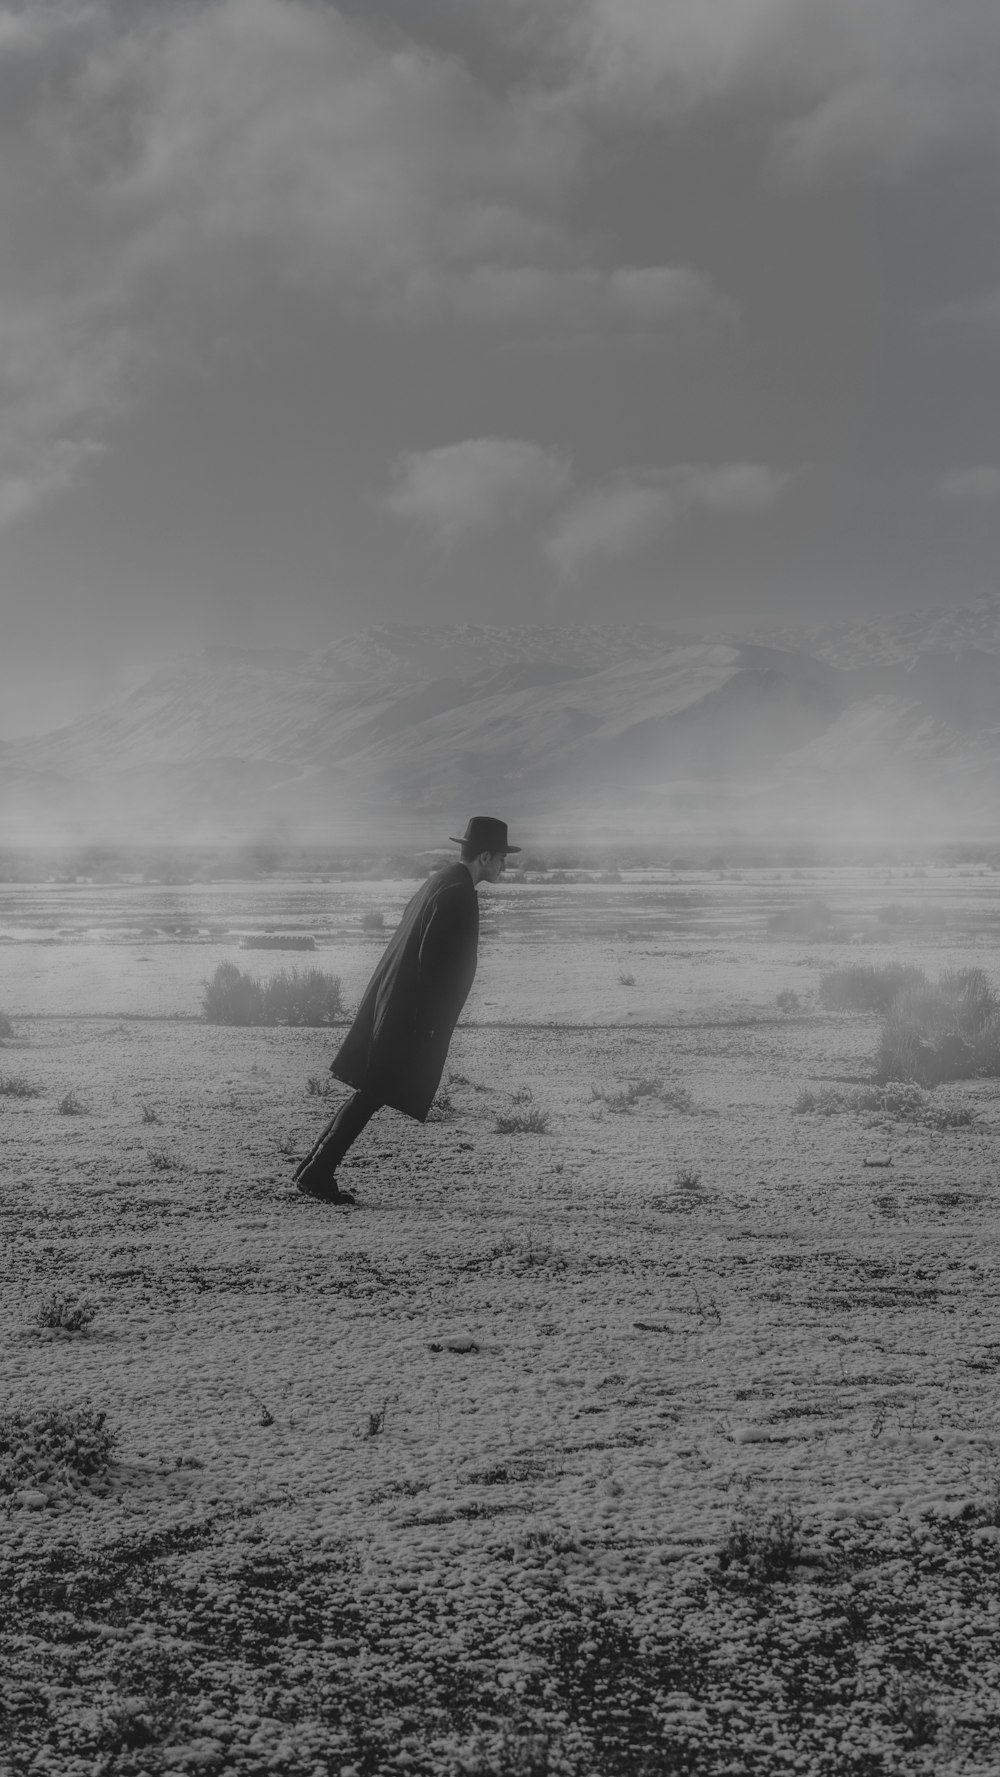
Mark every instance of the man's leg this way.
pixel 317 1173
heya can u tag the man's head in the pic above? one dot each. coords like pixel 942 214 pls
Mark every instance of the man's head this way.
pixel 485 847
pixel 485 866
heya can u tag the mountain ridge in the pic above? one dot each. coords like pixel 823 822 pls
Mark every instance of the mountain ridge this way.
pixel 888 723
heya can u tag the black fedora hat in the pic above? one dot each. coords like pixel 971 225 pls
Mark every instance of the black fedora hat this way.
pixel 485 834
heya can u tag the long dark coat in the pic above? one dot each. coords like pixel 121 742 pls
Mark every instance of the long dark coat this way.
pixel 397 1045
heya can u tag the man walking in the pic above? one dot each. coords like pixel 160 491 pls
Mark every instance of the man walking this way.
pixel 395 1051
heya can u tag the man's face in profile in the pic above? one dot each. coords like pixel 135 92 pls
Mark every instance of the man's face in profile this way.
pixel 493 864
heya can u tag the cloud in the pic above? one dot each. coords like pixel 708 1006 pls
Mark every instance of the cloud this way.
pixel 283 125
pixel 633 511
pixel 979 485
pixel 977 311
pixel 61 374
pixel 457 489
pixel 582 301
pixel 234 145
pixel 875 82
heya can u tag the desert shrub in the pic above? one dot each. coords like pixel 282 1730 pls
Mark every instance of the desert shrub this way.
pixel 72 1105
pixel 867 988
pixel 319 1085
pixel 53 1443
pixel 677 1098
pixel 232 997
pixel 16 1086
pixel 297 997
pixel 63 1315
pixel 626 978
pixel 443 1107
pixel 787 1000
pixel 6 1026
pixel 530 1122
pixel 160 1160
pixel 765 1549
pixel 149 1114
pixel 269 941
pixel 827 1102
pixel 811 920
pixel 306 996
pixel 948 1116
pixel 687 1179
pixel 897 1098
pixel 946 1030
pixel 373 920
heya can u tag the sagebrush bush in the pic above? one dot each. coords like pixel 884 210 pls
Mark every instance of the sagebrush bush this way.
pixel 16 1086
pixel 766 1549
pixel 787 1000
pixel 687 1179
pixel 6 1026
pixel 72 1105
pixel 232 997
pixel 53 1443
pixel 945 1030
pixel 866 987
pixel 811 920
pixel 293 996
pixel 61 1314
pixel 373 920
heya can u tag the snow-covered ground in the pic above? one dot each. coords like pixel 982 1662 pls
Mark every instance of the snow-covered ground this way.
pixel 664 1440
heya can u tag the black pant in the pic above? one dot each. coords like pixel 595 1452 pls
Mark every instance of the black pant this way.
pixel 344 1127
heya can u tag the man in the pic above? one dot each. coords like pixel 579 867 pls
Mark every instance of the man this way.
pixel 395 1051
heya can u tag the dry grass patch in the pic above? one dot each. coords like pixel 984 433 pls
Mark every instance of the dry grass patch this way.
pixel 530 1121
pixel 649 1087
pixel 902 1100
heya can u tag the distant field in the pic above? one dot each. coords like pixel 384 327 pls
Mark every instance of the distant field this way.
pixel 665 1440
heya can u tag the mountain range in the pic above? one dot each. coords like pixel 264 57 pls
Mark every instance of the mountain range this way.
pixel 886 728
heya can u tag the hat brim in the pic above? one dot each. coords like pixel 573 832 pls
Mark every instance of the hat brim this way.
pixel 504 848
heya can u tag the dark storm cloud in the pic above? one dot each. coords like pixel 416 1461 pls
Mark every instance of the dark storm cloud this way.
pixel 265 259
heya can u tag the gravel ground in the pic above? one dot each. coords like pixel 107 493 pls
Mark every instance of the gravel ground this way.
pixel 664 1440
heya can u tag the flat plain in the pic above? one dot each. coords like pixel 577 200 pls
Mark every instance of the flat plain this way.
pixel 662 1436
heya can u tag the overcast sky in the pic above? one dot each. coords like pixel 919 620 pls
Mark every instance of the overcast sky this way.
pixel 313 316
